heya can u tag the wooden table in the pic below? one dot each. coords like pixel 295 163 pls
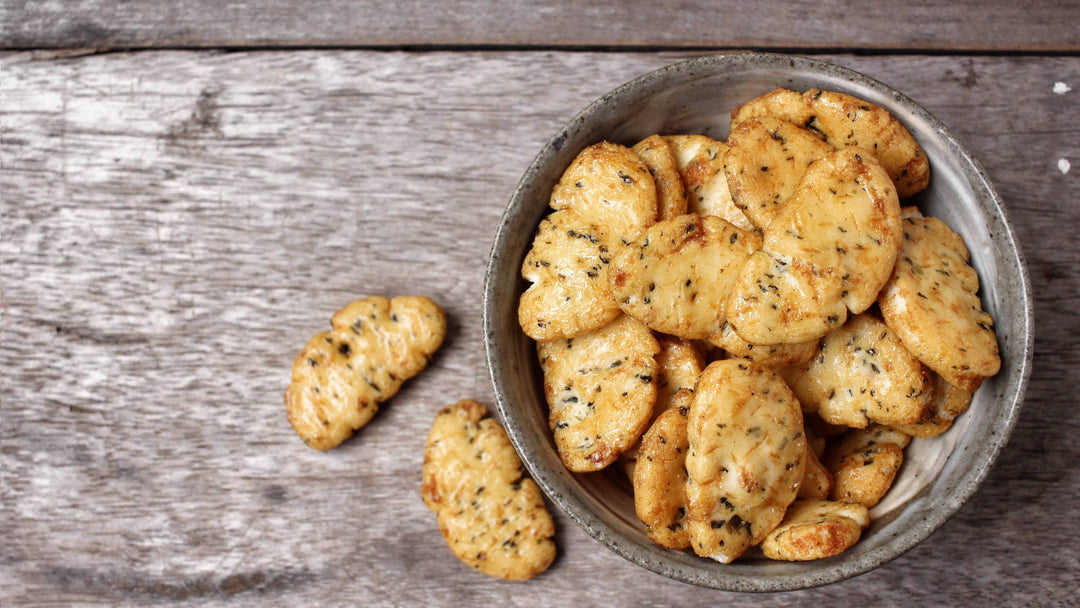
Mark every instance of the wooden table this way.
pixel 190 190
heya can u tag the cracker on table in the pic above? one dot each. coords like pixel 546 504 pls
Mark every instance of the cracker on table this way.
pixel 845 121
pixel 341 376
pixel 600 388
pixel 814 529
pixel 829 250
pixel 676 276
pixel 747 457
pixel 862 374
pixel 660 476
pixel 567 267
pixel 931 302
pixel 701 165
pixel 493 518
pixel 766 162
pixel 864 463
pixel 660 160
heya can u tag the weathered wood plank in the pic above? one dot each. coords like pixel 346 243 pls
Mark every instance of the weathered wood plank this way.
pixel 175 225
pixel 1044 25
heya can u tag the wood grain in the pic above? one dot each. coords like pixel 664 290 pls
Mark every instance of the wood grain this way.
pixel 967 25
pixel 175 225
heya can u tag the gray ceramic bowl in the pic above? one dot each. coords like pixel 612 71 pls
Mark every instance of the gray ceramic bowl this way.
pixel 697 96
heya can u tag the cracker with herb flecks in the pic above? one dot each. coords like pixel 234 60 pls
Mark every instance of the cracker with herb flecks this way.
pixel 568 268
pixel 700 160
pixel 815 529
pixel 602 200
pixel 766 162
pixel 608 184
pixel 946 404
pixel 341 376
pixel 676 276
pixel 829 249
pixel 493 518
pixel 862 374
pixel 678 365
pixel 864 463
pixel 600 388
pixel 844 121
pixel 770 355
pixel 747 457
pixel 660 475
pixel 931 302
pixel 670 191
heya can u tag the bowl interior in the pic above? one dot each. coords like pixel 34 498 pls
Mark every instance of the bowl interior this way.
pixel 697 96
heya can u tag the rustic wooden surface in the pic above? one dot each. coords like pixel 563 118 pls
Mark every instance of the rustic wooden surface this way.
pixel 176 224
pixel 980 25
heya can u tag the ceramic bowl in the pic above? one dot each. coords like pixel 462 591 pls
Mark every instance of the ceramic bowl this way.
pixel 697 96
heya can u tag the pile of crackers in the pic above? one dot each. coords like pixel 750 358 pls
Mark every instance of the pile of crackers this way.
pixel 754 329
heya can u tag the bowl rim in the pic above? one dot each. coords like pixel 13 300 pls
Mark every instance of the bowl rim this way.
pixel 984 455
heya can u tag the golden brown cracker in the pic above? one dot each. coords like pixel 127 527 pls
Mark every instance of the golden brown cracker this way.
pixel 815 529
pixel 660 476
pixel 493 518
pixel 701 165
pixel 766 162
pixel 607 184
pixel 747 457
pixel 676 276
pixel 845 121
pixel 864 464
pixel 567 267
pixel 931 303
pixel 862 374
pixel 341 376
pixel 829 250
pixel 600 388
pixel 670 191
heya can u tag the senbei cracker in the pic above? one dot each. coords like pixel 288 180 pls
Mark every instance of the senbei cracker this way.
pixel 658 156
pixel 600 388
pixel 845 121
pixel 746 460
pixel 601 201
pixel 660 476
pixel 862 374
pixel 814 529
pixel 829 249
pixel 341 376
pixel 676 276
pixel 931 303
pixel 766 162
pixel 568 268
pixel 700 161
pixel 491 515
